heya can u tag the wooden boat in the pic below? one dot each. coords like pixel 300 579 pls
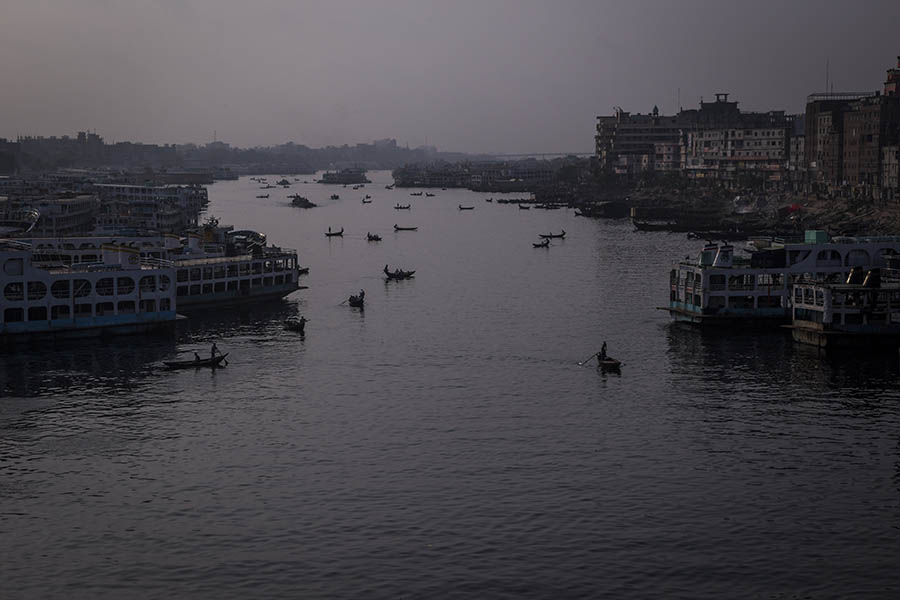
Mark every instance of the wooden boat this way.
pixel 330 233
pixel 397 274
pixel 429 195
pixel 461 207
pixel 579 214
pixel 303 271
pixel 523 207
pixel 300 201
pixel 373 237
pixel 398 228
pixel 335 197
pixel 401 207
pixel 263 196
pixel 364 201
pixel 550 236
pixel 295 324
pixel 203 362
pixel 488 199
pixel 357 301
pixel 545 243
pixel 415 193
pixel 608 364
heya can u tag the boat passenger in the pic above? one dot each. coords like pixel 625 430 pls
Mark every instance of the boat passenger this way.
pixel 196 357
pixel 212 351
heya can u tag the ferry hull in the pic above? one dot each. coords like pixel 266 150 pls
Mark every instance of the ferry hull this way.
pixel 230 298
pixel 12 338
pixel 838 340
pixel 756 320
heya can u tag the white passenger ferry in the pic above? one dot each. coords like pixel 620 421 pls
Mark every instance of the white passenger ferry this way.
pixel 861 313
pixel 215 266
pixel 721 289
pixel 117 293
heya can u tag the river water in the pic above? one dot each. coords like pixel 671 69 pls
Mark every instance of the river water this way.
pixel 445 442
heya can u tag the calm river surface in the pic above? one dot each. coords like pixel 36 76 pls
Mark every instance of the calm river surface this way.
pixel 445 443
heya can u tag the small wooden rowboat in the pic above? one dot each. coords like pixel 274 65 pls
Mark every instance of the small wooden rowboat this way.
pixel 398 228
pixel 203 362
pixel 550 236
pixel 335 233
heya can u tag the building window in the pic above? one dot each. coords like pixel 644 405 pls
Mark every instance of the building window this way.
pixel 14 315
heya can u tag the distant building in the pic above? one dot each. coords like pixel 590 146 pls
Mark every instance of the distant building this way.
pixel 890 174
pixel 869 124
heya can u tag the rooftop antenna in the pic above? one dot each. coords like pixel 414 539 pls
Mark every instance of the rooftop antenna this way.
pixel 826 75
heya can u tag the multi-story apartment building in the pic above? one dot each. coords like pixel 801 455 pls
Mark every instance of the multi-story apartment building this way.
pixel 628 143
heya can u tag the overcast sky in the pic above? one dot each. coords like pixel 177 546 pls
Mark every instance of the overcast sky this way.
pixel 473 76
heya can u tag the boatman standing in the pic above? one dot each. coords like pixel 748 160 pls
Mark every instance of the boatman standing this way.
pixel 212 351
pixel 602 354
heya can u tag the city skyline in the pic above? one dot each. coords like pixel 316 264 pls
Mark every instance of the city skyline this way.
pixel 506 77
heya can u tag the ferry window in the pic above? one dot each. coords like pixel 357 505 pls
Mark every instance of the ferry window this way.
pixel 828 258
pixel 164 283
pixel 256 282
pixel 279 265
pixel 105 286
pixel 207 273
pixel 820 298
pixel 245 284
pixel 267 281
pixel 148 283
pixel 126 307
pixel 232 285
pixel 220 286
pixel 148 306
pixel 60 289
pixel 84 310
pixel 797 256
pixel 257 268
pixel 232 271
pixel 798 295
pixel 219 272
pixel 245 269
pixel 698 300
pixel 268 266
pixel 13 266
pixel 207 288
pixel 182 275
pixel 807 296
pixel 768 302
pixel 13 292
pixel 37 313
pixel 740 302
pixel 673 296
pixel 195 274
pixel 717 282
pixel 13 315
pixel 105 308
pixel 279 279
pixel 182 290
pixel 740 282
pixel 716 301
pixel 82 288
pixel 165 304
pixel 673 276
pixel 195 289
pixel 126 285
pixel 89 258
pixel 60 311
pixel 36 290
pixel 857 258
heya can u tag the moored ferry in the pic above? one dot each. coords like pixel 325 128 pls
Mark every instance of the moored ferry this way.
pixel 721 289
pixel 118 293
pixel 861 313
pixel 213 266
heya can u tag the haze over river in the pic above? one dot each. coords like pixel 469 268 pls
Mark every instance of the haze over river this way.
pixel 445 442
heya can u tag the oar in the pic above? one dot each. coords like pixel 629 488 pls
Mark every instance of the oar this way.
pixel 342 303
pixel 588 358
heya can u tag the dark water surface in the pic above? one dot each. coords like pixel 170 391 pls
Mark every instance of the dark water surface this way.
pixel 444 443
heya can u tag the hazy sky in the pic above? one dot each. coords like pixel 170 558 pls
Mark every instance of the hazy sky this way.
pixel 488 75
